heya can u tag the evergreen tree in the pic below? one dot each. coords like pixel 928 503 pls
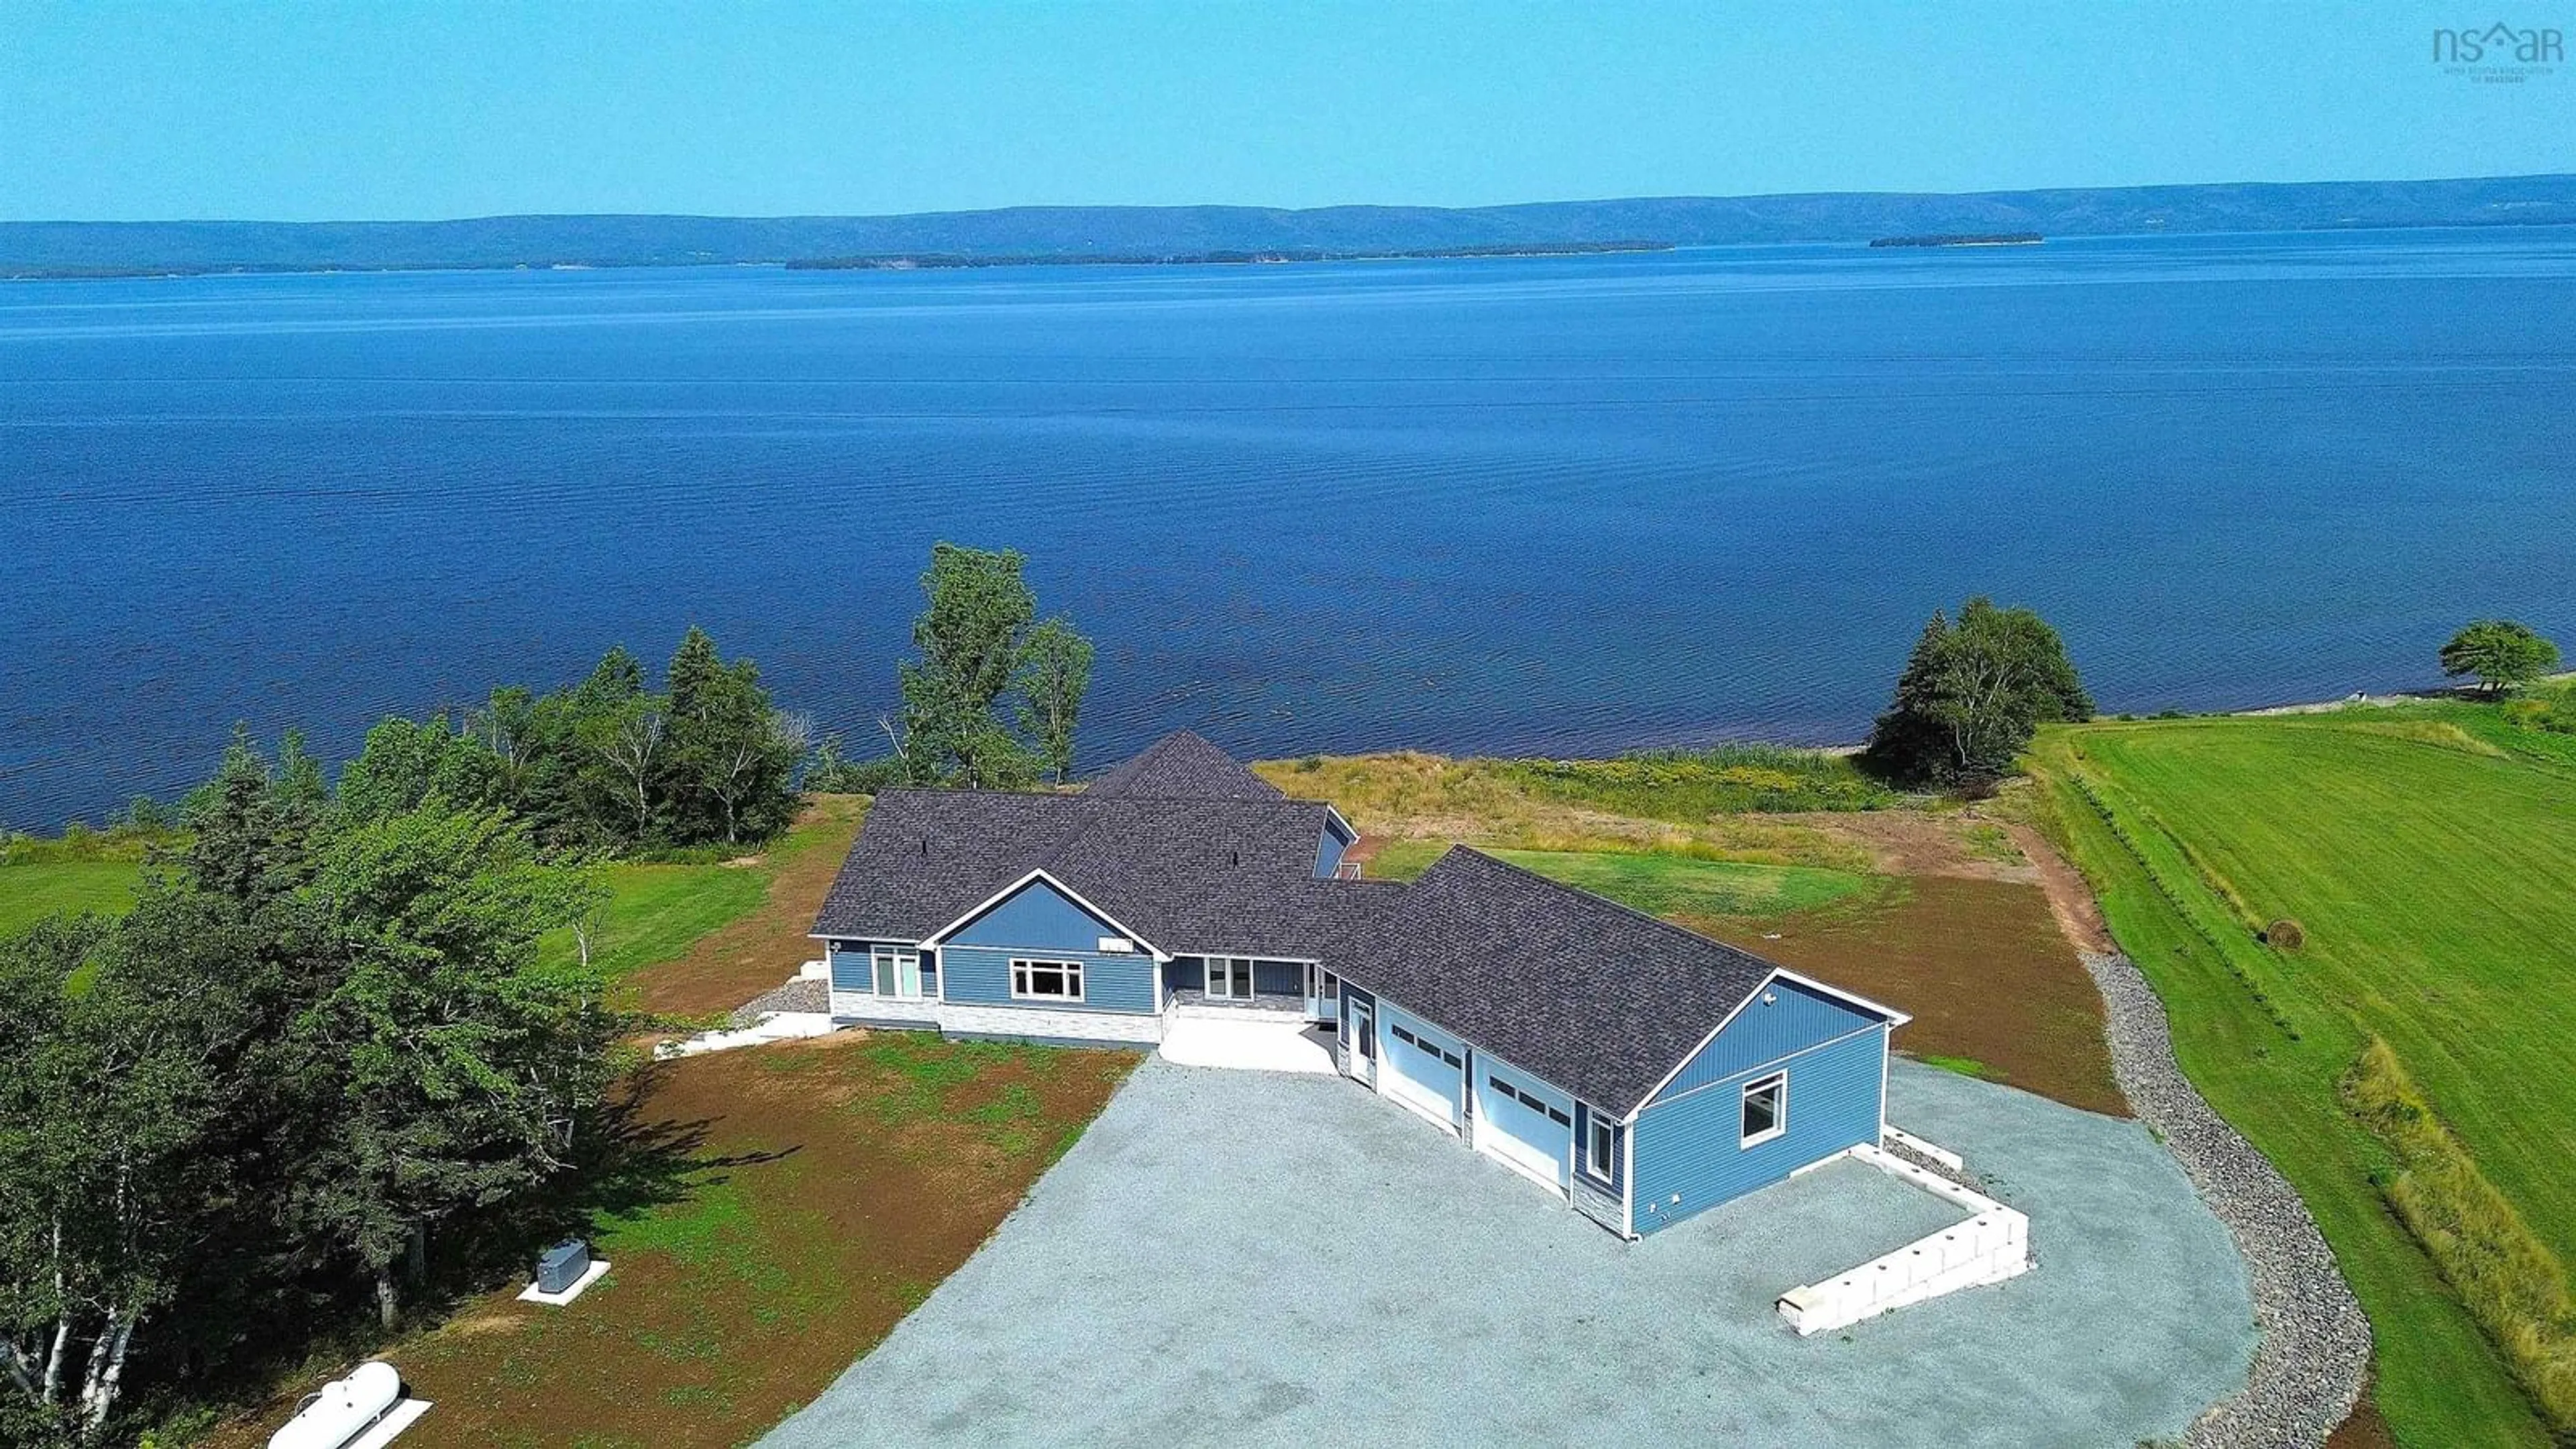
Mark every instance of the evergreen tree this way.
pixel 245 841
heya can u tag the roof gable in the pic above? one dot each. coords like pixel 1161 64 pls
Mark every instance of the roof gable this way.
pixel 1210 875
pixel 1784 1016
pixel 1599 999
pixel 1037 912
pixel 1182 766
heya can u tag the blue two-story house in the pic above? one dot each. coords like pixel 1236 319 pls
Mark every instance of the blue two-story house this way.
pixel 1640 1071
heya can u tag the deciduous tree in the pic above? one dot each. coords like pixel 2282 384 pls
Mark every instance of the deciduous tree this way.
pixel 1055 672
pixel 2500 653
pixel 456 1069
pixel 978 610
pixel 1973 693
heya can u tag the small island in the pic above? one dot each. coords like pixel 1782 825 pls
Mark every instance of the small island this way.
pixel 911 261
pixel 1964 239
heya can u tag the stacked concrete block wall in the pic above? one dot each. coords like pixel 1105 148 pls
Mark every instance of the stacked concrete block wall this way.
pixel 1993 1245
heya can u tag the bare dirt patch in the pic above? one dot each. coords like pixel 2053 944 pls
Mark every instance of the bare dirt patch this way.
pixel 1913 842
pixel 2070 900
pixel 737 961
pixel 1994 987
pixel 811 1194
pixel 2365 1429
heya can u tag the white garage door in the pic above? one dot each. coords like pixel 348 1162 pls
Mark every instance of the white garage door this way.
pixel 1425 1071
pixel 1524 1124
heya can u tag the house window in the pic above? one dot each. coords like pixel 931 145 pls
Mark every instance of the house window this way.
pixel 1600 1147
pixel 898 973
pixel 1046 980
pixel 1766 1108
pixel 1229 978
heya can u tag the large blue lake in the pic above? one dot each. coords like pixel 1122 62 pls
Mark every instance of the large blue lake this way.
pixel 1546 505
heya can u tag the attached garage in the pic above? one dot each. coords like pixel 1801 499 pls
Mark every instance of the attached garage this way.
pixel 1523 1123
pixel 1426 1068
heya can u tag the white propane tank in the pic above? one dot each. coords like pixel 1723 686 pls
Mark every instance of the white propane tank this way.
pixel 343 1410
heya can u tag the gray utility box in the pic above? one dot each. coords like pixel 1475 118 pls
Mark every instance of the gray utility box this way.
pixel 561 1266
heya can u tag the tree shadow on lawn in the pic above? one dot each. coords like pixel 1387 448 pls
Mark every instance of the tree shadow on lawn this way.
pixel 627 1165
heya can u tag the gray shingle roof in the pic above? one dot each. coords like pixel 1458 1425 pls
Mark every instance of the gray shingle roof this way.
pixel 1182 766
pixel 1204 874
pixel 1596 998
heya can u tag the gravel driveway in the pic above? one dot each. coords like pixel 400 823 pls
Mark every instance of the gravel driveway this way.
pixel 1244 1258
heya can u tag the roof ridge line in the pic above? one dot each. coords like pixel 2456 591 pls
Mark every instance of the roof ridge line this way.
pixel 1685 932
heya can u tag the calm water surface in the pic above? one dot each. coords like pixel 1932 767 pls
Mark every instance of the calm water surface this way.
pixel 1557 505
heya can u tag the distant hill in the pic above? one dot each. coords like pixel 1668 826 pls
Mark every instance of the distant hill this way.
pixel 1153 232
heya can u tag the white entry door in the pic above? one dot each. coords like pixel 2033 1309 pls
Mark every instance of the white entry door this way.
pixel 1361 1051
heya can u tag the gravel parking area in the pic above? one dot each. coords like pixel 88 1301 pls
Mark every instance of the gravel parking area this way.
pixel 1244 1258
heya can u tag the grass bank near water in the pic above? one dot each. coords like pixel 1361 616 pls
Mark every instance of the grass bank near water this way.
pixel 2423 852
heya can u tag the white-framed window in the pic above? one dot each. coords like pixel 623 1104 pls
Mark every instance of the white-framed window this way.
pixel 1600 1146
pixel 897 972
pixel 1046 980
pixel 1229 978
pixel 1766 1108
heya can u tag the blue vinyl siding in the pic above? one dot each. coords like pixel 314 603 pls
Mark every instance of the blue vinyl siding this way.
pixel 1689 1152
pixel 1185 973
pixel 1796 1018
pixel 1036 917
pixel 852 970
pixel 982 975
pixel 1039 921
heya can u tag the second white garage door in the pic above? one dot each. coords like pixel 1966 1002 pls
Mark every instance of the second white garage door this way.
pixel 1523 1123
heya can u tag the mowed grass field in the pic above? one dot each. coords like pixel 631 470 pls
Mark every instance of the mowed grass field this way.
pixel 2427 854
pixel 1658 884
pixel 36 889
pixel 745 917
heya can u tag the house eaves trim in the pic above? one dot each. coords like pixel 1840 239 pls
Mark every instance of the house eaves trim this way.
pixel 1895 1019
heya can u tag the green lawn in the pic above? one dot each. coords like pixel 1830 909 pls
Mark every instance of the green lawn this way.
pixel 1661 885
pixel 2427 854
pixel 30 891
pixel 656 912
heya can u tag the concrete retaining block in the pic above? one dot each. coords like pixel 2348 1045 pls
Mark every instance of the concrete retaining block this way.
pixel 1990 1246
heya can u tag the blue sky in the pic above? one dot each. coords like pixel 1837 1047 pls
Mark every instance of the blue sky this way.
pixel 394 110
